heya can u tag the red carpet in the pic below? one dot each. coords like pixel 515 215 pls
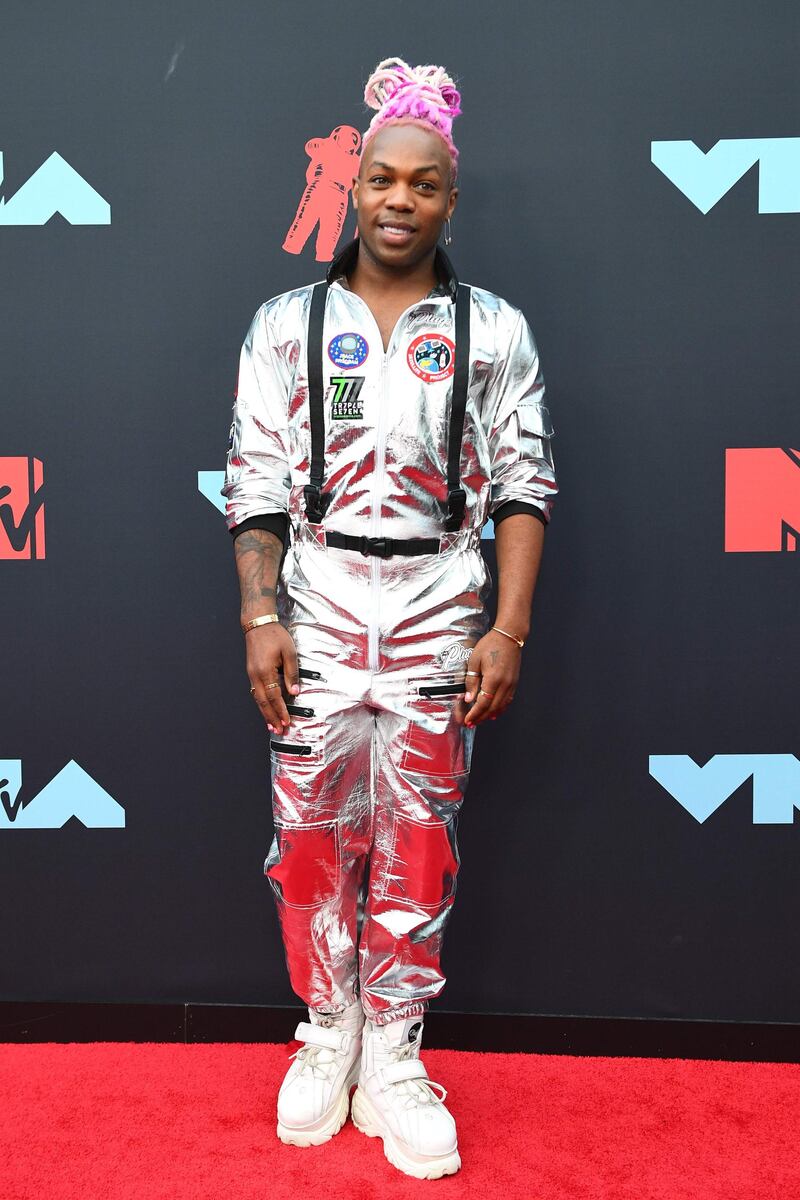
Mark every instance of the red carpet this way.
pixel 175 1122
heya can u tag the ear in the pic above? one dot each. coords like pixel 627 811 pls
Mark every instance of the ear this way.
pixel 355 191
pixel 451 202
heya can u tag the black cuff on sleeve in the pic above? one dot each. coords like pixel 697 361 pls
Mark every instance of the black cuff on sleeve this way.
pixel 512 507
pixel 277 523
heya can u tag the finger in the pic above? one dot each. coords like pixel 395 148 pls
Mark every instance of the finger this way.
pixel 473 681
pixel 260 698
pixel 266 699
pixel 499 689
pixel 270 714
pixel 264 702
pixel 500 700
pixel 291 670
pixel 479 708
pixel 257 694
pixel 275 694
pixel 489 702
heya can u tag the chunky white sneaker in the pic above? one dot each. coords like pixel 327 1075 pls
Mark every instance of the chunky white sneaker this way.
pixel 395 1100
pixel 315 1095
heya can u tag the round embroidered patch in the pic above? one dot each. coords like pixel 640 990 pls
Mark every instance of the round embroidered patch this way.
pixel 432 357
pixel 348 350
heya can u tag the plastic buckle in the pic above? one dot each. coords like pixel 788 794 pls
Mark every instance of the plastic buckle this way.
pixel 456 503
pixel 380 547
pixel 316 503
pixel 312 499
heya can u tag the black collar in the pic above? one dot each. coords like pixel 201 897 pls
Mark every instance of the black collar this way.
pixel 345 260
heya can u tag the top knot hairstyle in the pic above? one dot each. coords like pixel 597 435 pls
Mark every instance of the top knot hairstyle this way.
pixel 403 93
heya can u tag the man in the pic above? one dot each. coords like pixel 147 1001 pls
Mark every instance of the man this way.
pixel 427 418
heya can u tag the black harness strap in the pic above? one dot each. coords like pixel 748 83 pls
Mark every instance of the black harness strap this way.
pixel 317 501
pixel 456 496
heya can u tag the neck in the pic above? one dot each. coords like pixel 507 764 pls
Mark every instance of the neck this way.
pixel 369 276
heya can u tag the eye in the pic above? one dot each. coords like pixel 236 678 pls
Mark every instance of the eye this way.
pixel 431 187
pixel 379 179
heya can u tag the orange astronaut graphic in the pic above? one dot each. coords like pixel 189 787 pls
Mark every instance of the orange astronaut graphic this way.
pixel 329 178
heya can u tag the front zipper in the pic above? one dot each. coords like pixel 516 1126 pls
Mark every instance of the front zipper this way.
pixel 375 524
pixel 378 475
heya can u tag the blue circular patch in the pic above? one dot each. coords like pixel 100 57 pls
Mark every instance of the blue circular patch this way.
pixel 348 350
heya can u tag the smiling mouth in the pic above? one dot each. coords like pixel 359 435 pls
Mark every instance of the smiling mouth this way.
pixel 396 231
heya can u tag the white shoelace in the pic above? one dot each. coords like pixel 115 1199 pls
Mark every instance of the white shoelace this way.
pixel 317 1060
pixel 417 1090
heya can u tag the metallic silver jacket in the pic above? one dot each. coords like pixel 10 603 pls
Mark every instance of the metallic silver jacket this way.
pixel 369 779
pixel 387 468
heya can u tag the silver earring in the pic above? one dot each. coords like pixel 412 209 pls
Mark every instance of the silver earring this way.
pixel 448 233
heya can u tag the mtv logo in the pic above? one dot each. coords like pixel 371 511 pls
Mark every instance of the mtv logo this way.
pixel 706 178
pixel 702 790
pixel 55 187
pixel 71 793
pixel 21 508
pixel 762 499
pixel 209 484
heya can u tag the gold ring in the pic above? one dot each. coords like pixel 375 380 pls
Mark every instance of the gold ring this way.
pixel 481 692
pixel 271 685
pixel 252 691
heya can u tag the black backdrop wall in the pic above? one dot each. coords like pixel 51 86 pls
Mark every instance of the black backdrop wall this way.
pixel 667 335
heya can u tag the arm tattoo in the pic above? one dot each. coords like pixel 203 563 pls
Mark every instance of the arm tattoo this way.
pixel 258 556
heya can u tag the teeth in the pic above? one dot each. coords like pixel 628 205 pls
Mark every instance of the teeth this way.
pixel 395 229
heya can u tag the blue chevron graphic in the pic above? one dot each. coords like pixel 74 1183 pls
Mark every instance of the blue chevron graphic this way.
pixel 71 793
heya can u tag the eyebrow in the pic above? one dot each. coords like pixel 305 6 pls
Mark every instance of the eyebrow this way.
pixel 416 171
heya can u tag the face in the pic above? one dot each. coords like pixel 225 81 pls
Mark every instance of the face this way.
pixel 402 194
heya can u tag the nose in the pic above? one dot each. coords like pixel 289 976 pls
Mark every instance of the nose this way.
pixel 401 198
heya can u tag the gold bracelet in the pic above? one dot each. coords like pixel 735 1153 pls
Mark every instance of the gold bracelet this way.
pixel 260 621
pixel 519 641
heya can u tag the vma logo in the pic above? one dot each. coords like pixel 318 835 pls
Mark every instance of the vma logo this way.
pixel 706 178
pixel 209 484
pixel 72 793
pixel 702 790
pixel 762 499
pixel 21 508
pixel 55 187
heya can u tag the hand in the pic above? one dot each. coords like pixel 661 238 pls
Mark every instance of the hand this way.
pixel 270 648
pixel 497 659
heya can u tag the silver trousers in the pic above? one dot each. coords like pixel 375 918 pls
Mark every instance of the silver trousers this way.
pixel 369 779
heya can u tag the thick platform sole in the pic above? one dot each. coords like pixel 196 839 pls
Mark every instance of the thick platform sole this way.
pixel 419 1166
pixel 328 1124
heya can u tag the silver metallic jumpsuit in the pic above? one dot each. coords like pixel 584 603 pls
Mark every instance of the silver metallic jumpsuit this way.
pixel 369 778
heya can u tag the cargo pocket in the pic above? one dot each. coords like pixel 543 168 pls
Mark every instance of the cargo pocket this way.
pixel 304 863
pixel 534 419
pixel 423 863
pixel 436 740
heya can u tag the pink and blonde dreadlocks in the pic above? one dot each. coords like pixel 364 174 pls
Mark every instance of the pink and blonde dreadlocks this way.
pixel 403 93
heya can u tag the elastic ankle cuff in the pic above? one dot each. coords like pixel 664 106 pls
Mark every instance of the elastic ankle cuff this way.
pixel 417 1011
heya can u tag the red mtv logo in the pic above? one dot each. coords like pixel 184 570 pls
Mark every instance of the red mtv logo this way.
pixel 762 499
pixel 21 508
